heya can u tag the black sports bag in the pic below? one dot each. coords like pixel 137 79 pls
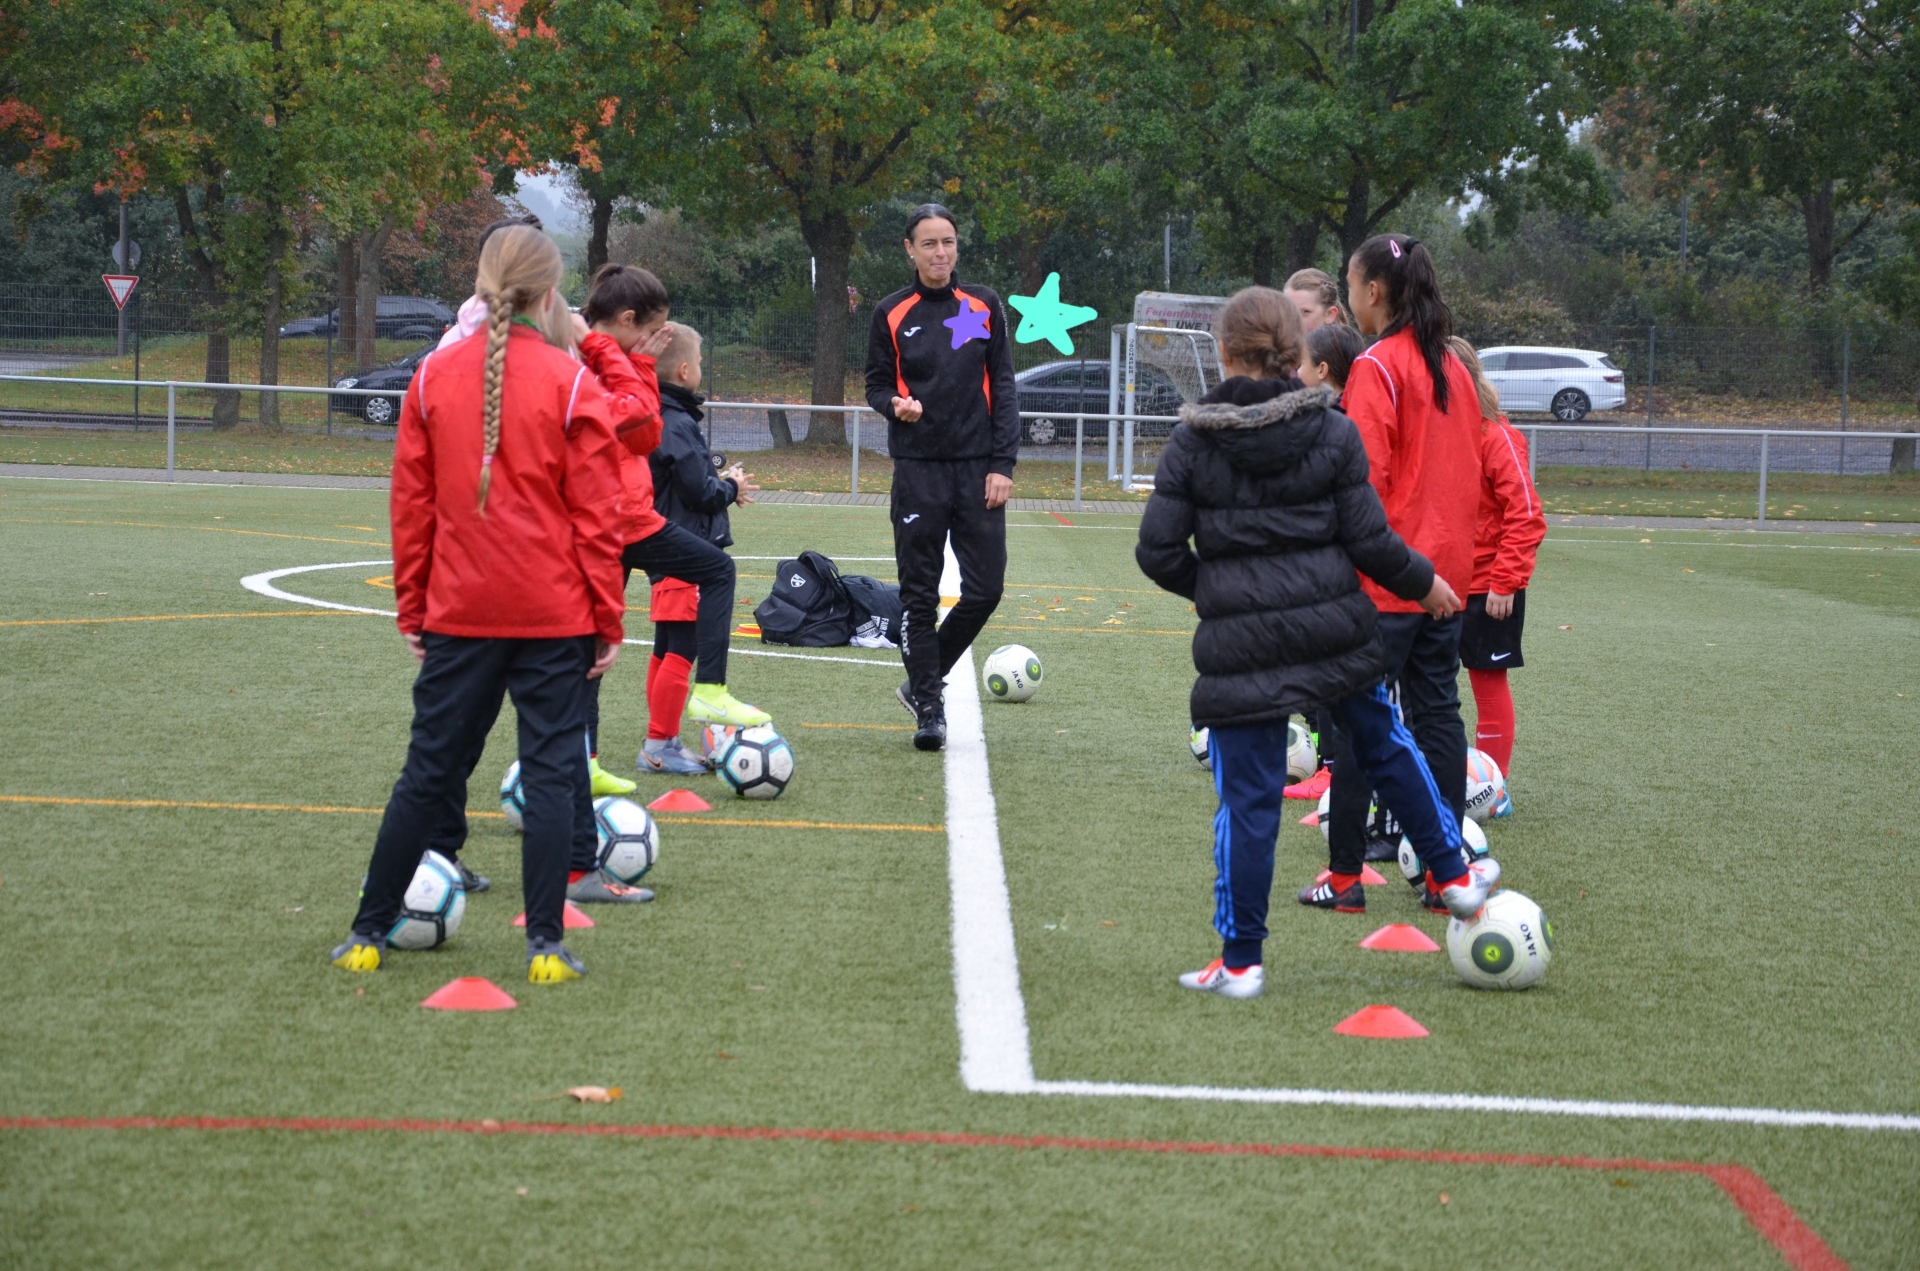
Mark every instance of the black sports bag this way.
pixel 808 605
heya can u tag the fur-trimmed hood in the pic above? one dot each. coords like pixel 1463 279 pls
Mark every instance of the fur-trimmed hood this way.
pixel 1262 425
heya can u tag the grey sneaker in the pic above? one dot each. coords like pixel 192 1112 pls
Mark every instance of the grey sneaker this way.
pixel 672 756
pixel 1465 895
pixel 550 962
pixel 471 882
pixel 905 696
pixel 601 888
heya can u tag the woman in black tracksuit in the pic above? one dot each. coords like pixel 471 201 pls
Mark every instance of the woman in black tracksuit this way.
pixel 940 371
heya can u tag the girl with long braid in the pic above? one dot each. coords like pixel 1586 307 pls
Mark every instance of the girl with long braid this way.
pixel 506 551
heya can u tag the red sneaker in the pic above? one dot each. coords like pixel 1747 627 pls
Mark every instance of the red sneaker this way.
pixel 1312 788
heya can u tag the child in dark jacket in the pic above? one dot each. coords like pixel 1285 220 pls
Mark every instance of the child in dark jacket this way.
pixel 1268 483
pixel 690 494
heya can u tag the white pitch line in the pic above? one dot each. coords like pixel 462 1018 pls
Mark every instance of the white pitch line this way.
pixel 262 584
pixel 996 1053
pixel 1768 547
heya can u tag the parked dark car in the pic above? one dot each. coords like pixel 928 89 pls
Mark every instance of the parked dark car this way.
pixel 395 318
pixel 1063 389
pixel 381 412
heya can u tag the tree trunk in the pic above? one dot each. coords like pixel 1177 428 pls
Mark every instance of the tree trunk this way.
pixel 1353 222
pixel 367 292
pixel 602 221
pixel 831 240
pixel 1261 264
pixel 781 430
pixel 1303 244
pixel 346 260
pixel 1901 460
pixel 1817 208
pixel 201 237
pixel 270 330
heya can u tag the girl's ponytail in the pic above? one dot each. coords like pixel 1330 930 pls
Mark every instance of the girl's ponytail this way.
pixel 1489 395
pixel 519 269
pixel 1404 266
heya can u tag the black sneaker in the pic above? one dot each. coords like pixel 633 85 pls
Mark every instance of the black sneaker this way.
pixel 932 733
pixel 471 882
pixel 905 695
pixel 1379 849
pixel 1323 896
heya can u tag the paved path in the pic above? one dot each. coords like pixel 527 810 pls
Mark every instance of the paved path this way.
pixel 61 472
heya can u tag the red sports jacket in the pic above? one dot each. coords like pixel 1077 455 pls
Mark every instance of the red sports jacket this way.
pixel 1511 520
pixel 633 393
pixel 1423 461
pixel 544 562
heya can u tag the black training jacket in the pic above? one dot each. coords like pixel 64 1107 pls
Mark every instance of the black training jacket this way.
pixel 686 489
pixel 1269 482
pixel 971 410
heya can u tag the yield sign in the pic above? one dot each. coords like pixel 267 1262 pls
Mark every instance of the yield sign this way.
pixel 119 286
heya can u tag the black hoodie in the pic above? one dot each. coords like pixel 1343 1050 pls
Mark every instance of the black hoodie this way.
pixel 686 489
pixel 1269 481
pixel 962 374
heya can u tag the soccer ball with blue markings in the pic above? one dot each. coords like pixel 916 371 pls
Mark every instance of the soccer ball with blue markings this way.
pixel 432 909
pixel 757 763
pixel 513 798
pixel 629 838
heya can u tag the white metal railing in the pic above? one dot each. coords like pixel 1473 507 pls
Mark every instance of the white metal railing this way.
pixel 1113 419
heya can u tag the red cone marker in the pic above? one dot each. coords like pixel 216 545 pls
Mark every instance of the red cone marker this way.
pixel 573 918
pixel 1369 877
pixel 1380 1021
pixel 680 801
pixel 470 993
pixel 1400 937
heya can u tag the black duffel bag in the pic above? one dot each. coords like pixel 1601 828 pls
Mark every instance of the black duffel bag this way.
pixel 876 607
pixel 808 606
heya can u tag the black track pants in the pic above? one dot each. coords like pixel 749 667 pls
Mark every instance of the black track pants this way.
pixel 456 698
pixel 934 499
pixel 677 552
pixel 1423 654
pixel 450 835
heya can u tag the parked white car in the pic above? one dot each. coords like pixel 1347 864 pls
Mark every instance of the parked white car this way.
pixel 1567 383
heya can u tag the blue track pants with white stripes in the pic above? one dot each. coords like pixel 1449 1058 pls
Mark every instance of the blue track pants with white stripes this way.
pixel 1249 775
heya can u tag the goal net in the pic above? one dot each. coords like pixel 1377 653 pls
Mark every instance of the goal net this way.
pixel 1166 356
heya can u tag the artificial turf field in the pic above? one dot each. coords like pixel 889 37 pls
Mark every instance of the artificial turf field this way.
pixel 1716 804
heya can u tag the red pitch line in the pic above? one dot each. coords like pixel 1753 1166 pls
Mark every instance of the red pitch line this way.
pixel 1063 520
pixel 1799 1244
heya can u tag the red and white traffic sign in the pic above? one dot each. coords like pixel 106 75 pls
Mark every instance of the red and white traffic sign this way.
pixel 120 286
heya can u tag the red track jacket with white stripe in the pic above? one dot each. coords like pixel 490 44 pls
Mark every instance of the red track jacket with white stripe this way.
pixel 1512 523
pixel 544 562
pixel 1423 461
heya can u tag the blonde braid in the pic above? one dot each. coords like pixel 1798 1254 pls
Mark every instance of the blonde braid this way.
pixel 499 318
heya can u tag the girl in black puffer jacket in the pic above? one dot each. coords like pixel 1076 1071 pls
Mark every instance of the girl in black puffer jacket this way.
pixel 1269 484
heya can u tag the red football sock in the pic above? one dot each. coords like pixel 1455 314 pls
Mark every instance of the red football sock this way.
pixel 666 695
pixel 1341 882
pixel 1493 702
pixel 575 875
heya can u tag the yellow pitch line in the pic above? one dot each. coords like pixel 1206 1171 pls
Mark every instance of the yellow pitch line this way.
pixel 884 728
pixel 210 529
pixel 206 805
pixel 170 617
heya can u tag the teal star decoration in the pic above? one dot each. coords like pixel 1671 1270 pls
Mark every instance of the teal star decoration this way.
pixel 1043 317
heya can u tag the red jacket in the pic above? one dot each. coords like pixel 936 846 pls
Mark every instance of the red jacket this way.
pixel 1511 520
pixel 544 561
pixel 1423 461
pixel 633 393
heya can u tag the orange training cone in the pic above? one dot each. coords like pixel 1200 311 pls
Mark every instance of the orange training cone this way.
pixel 573 918
pixel 1400 937
pixel 1311 818
pixel 470 993
pixel 680 801
pixel 1380 1021
pixel 1369 876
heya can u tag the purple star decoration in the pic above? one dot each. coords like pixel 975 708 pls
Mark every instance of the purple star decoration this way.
pixel 968 324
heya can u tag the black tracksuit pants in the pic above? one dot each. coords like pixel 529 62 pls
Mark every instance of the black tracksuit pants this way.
pixel 450 835
pixel 1423 654
pixel 674 551
pixel 456 698
pixel 934 499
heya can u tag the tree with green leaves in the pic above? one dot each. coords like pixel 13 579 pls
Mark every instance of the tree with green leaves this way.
pixel 1804 101
pixel 821 109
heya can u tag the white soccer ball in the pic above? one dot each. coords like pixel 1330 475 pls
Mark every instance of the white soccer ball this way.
pixel 714 739
pixel 513 798
pixel 1507 945
pixel 1198 741
pixel 1470 834
pixel 1486 787
pixel 1303 757
pixel 629 839
pixel 1011 673
pixel 432 909
pixel 757 763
